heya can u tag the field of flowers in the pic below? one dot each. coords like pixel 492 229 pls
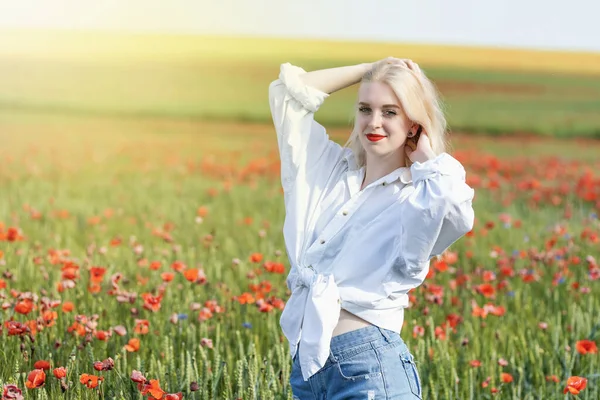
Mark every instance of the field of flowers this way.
pixel 141 254
pixel 144 259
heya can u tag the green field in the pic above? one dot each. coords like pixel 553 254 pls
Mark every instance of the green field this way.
pixel 141 160
pixel 225 79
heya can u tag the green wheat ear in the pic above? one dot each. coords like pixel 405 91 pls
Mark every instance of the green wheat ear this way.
pixel 217 363
pixel 195 366
pixel 205 373
pixel 217 336
pixel 239 377
pixel 139 363
pixel 187 376
pixel 240 342
pixel 42 394
pixel 265 389
pixel 272 378
pixel 226 384
pixel 170 360
pixel 124 362
pixel 206 376
pixel 157 368
pixel 217 377
pixel 90 353
pixel 252 378
pixel 16 368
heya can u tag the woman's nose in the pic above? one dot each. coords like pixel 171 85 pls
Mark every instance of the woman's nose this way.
pixel 375 121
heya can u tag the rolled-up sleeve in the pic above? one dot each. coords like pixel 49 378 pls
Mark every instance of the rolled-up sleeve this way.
pixel 437 213
pixel 304 146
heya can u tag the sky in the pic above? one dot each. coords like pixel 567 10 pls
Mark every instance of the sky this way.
pixel 536 24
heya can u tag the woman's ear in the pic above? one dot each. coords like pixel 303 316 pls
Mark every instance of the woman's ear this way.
pixel 415 129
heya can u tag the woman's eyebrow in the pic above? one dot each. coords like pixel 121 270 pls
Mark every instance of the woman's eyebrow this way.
pixel 385 105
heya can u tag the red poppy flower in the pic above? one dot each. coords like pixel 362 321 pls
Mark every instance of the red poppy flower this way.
pixel 36 379
pixel 575 384
pixel 137 377
pixel 91 381
pixel 586 347
pixel 506 378
pixel 142 326
pixel 97 274
pixel 133 345
pixel 24 306
pixel 486 289
pixel 42 364
pixel 152 388
pixel 60 372
pixel 256 257
pixel 105 365
pixel 195 275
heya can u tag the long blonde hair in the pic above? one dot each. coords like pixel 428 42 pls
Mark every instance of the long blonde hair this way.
pixel 420 102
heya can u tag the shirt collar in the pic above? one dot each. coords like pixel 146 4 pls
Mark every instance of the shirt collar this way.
pixel 401 174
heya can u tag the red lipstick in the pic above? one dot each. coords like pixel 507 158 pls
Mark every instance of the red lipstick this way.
pixel 375 138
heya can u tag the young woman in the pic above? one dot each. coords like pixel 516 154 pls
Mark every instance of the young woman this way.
pixel 362 223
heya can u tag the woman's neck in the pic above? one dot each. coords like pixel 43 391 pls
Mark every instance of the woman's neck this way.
pixel 377 168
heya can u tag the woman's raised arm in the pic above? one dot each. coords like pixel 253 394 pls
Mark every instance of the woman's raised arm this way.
pixel 333 79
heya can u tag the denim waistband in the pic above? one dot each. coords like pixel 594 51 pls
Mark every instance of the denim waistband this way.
pixel 361 336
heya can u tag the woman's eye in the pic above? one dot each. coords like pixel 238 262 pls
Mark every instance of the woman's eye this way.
pixel 387 113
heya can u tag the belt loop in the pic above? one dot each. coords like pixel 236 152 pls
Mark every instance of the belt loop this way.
pixel 385 334
pixel 331 356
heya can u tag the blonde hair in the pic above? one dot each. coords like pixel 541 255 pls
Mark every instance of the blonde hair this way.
pixel 419 100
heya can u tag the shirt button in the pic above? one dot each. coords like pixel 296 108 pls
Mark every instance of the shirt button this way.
pixel 322 241
pixel 384 183
pixel 344 212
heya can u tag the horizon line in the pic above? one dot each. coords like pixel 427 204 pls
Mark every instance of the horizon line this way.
pixel 238 36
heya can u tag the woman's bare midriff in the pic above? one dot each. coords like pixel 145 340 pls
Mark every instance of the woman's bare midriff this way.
pixel 349 322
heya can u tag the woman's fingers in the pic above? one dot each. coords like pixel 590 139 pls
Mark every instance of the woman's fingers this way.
pixel 403 62
pixel 413 66
pixel 395 60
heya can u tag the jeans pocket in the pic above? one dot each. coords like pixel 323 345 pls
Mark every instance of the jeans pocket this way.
pixel 412 375
pixel 361 366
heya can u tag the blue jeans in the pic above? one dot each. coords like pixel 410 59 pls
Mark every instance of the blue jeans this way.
pixel 367 364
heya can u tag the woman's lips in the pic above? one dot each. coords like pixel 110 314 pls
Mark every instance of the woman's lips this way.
pixel 375 138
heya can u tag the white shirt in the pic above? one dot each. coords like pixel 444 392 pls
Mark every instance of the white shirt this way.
pixel 361 250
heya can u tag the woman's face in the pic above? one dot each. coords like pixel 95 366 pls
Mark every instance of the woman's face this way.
pixel 381 122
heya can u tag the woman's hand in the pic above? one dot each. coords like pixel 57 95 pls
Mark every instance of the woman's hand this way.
pixel 420 152
pixel 403 62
